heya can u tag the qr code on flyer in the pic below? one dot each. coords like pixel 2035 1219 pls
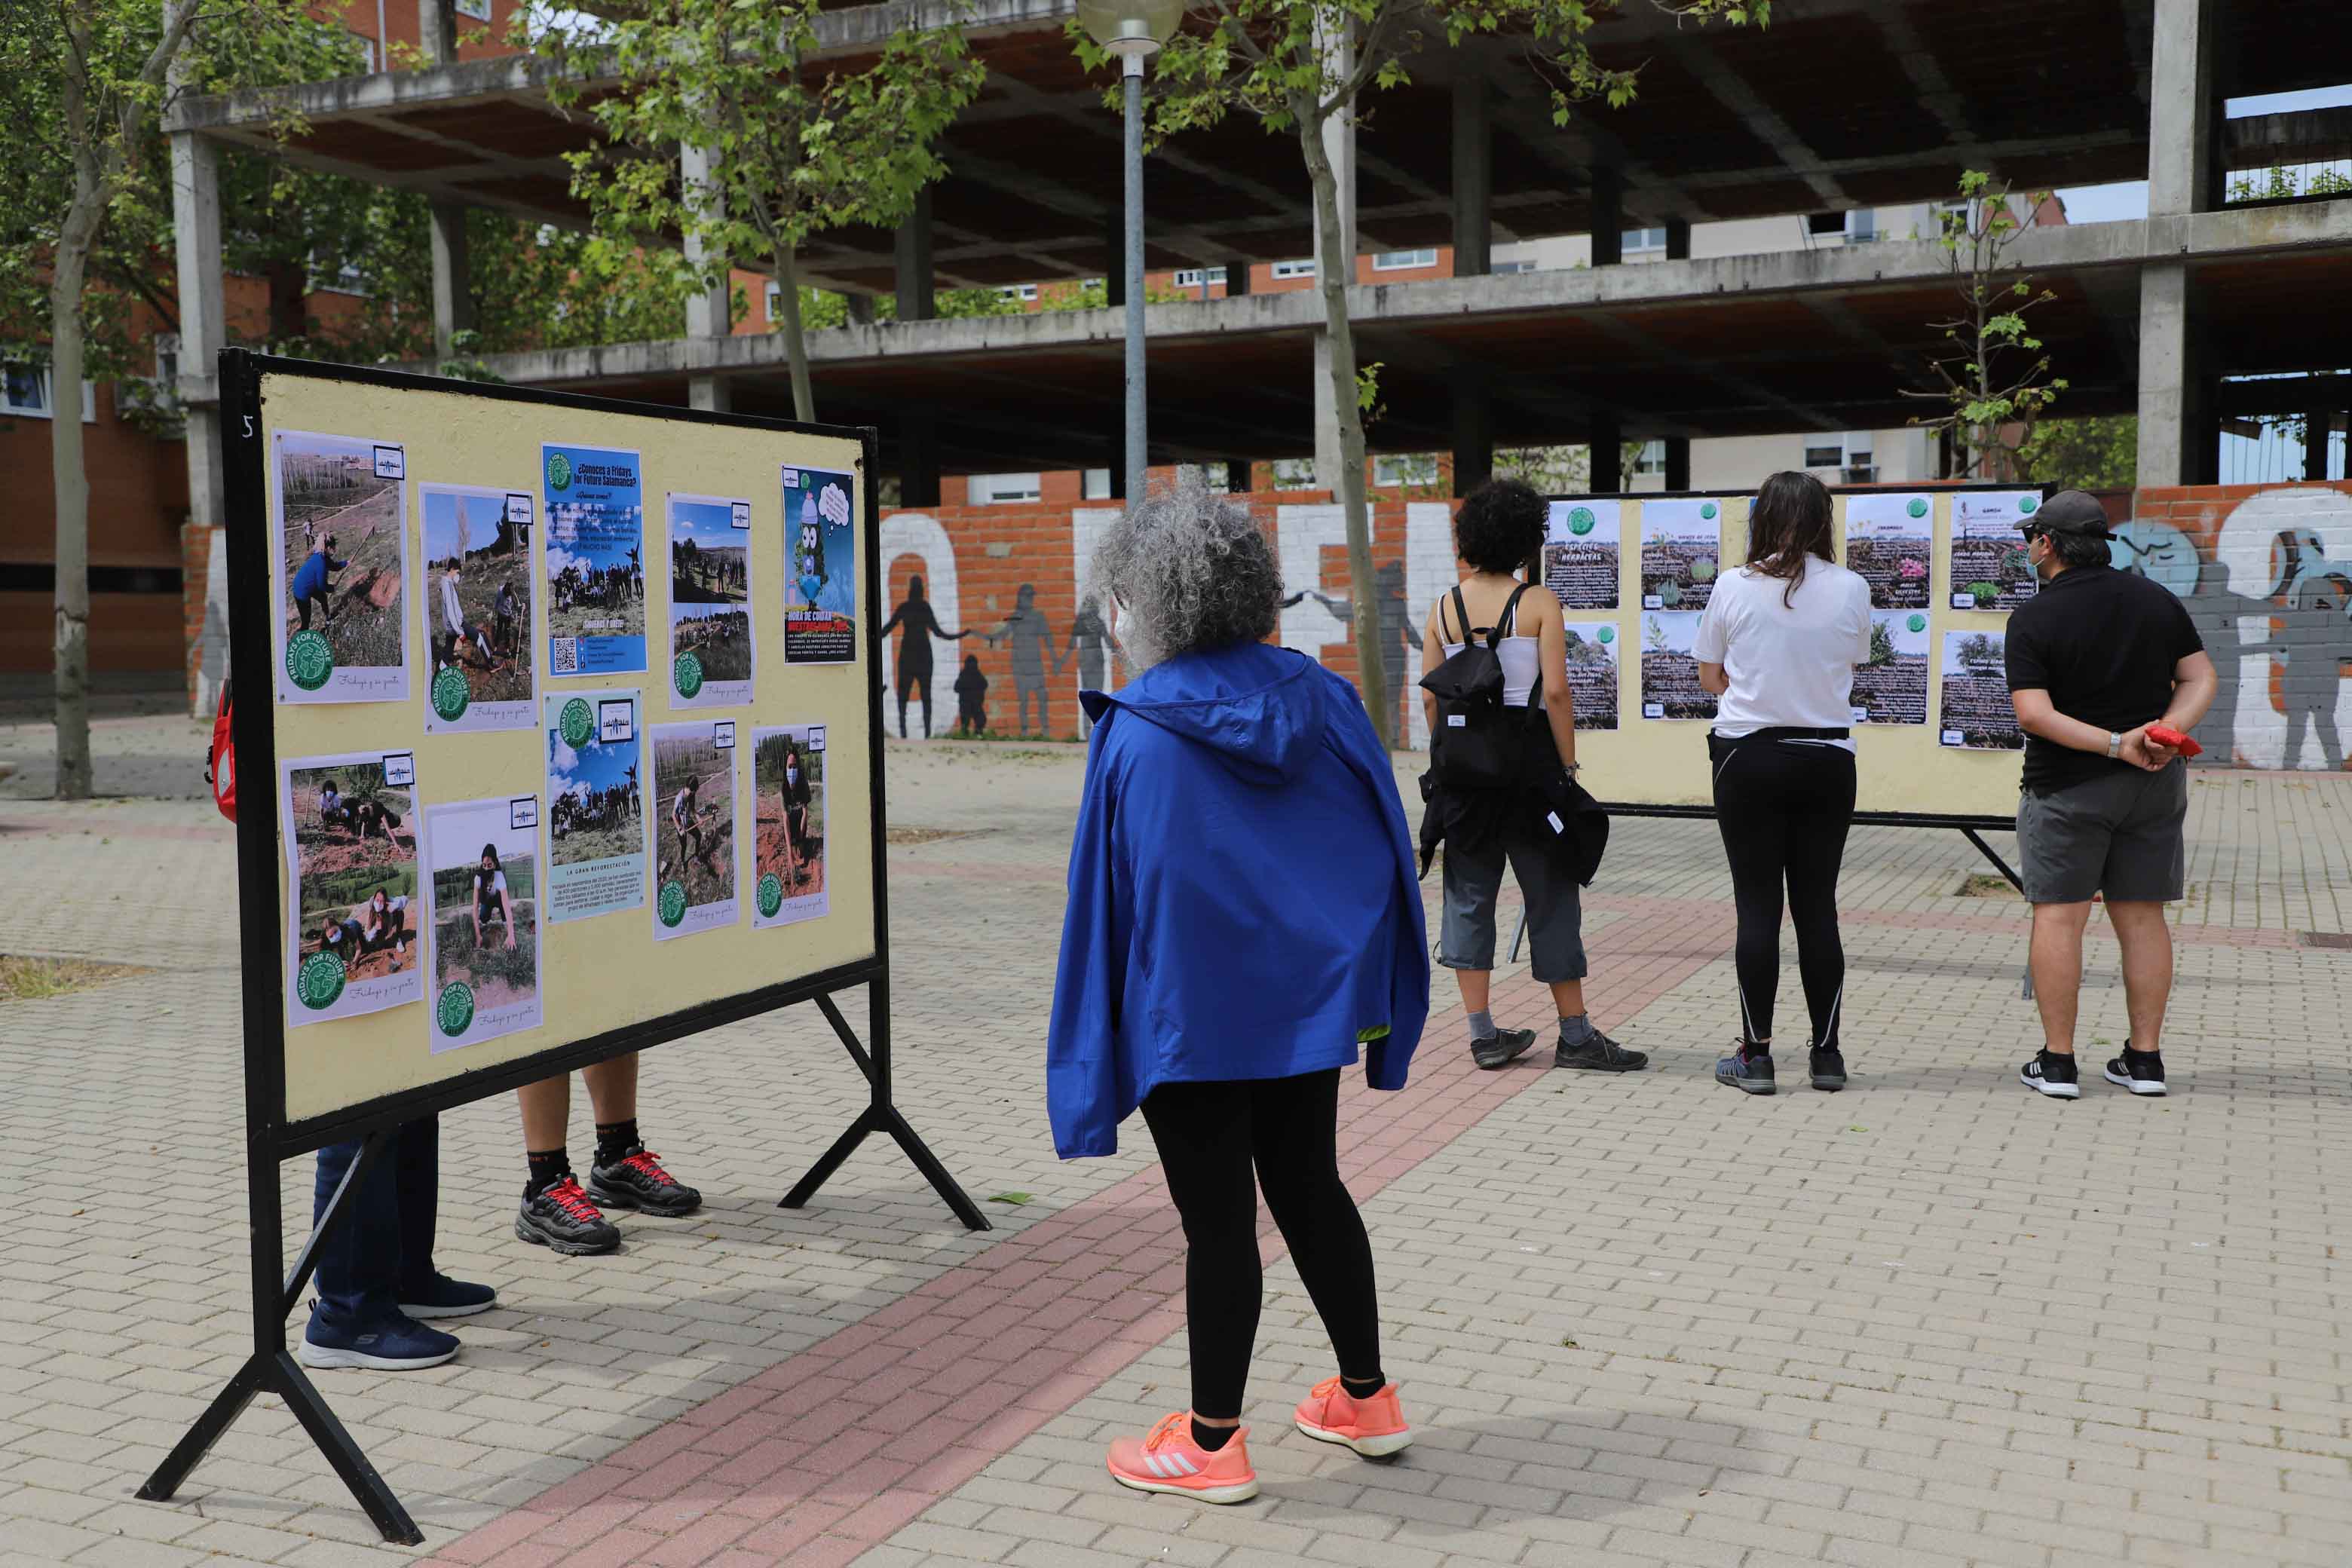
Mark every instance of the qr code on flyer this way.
pixel 564 658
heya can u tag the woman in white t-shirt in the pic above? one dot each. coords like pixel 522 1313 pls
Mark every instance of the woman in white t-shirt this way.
pixel 1778 646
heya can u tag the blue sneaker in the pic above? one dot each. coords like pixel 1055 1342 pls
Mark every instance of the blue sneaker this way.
pixel 1748 1070
pixel 442 1297
pixel 395 1344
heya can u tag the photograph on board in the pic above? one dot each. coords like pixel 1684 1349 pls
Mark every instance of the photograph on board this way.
pixel 595 812
pixel 342 548
pixel 1890 686
pixel 697 879
pixel 349 823
pixel 1670 688
pixel 1890 539
pixel 1989 571
pixel 1593 673
pixel 820 567
pixel 1580 554
pixel 596 565
pixel 788 790
pixel 1976 712
pixel 481 859
pixel 477 604
pixel 713 657
pixel 1681 545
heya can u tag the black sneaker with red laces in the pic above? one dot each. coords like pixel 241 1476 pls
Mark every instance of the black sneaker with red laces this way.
pixel 636 1181
pixel 561 1216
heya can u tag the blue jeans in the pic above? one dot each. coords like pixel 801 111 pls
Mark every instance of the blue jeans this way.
pixel 380 1252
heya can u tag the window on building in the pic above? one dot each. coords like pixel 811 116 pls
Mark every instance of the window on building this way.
pixel 24 389
pixel 1504 268
pixel 1824 223
pixel 1652 458
pixel 1405 468
pixel 1094 484
pixel 1022 291
pixel 344 278
pixel 1824 457
pixel 475 10
pixel 1644 241
pixel 367 47
pixel 1293 473
pixel 1191 276
pixel 1952 218
pixel 167 358
pixel 1861 225
pixel 1403 260
pixel 988 489
pixel 772 302
pixel 1287 269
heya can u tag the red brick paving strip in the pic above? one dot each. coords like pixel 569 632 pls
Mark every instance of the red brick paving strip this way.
pixel 829 1453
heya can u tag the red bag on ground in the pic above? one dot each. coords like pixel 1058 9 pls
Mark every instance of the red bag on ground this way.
pixel 2166 735
pixel 220 766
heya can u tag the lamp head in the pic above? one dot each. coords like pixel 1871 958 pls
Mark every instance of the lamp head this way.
pixel 1130 28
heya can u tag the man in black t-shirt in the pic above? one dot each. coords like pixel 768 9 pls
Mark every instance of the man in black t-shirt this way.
pixel 2095 658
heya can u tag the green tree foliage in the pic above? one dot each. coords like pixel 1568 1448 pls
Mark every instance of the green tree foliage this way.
pixel 1882 644
pixel 1997 381
pixel 2091 454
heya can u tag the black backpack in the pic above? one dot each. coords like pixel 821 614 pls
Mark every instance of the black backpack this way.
pixel 1478 744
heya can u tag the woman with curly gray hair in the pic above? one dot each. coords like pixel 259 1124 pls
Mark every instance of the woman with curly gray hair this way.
pixel 1244 920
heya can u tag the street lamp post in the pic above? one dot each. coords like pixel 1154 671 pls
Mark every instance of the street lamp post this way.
pixel 1133 30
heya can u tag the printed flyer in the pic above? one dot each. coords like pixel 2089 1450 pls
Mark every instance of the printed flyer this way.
pixel 1681 547
pixel 820 568
pixel 697 846
pixel 349 823
pixel 595 827
pixel 1580 554
pixel 1889 542
pixel 1976 707
pixel 482 908
pixel 342 551
pixel 1593 673
pixel 1891 686
pixel 1670 688
pixel 476 607
pixel 788 790
pixel 713 657
pixel 595 568
pixel 1988 566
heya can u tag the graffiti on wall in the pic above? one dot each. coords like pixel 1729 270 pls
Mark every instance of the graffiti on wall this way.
pixel 906 668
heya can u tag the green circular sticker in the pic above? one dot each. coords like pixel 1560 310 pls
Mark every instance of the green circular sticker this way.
pixel 309 660
pixel 451 694
pixel 576 723
pixel 772 894
pixel 558 471
pixel 1917 508
pixel 2027 502
pixel 1706 510
pixel 455 1011
pixel 1917 623
pixel 673 903
pixel 1606 634
pixel 318 980
pixel 1581 520
pixel 686 673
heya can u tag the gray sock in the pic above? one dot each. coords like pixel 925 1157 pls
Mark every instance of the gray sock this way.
pixel 1575 1031
pixel 1482 1026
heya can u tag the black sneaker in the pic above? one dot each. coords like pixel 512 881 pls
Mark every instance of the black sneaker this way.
pixel 1748 1071
pixel 1829 1069
pixel 2142 1072
pixel 1502 1047
pixel 637 1180
pixel 2052 1075
pixel 1598 1053
pixel 561 1216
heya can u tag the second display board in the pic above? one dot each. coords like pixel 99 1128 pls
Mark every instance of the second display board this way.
pixel 1930 712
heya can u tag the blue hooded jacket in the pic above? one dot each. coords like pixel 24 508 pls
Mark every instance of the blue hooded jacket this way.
pixel 1241 897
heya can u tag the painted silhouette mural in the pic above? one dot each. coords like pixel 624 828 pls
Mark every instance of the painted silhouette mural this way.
pixel 1030 638
pixel 1398 636
pixel 2313 641
pixel 917 627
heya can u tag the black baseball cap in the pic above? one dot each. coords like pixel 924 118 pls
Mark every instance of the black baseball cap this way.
pixel 2070 512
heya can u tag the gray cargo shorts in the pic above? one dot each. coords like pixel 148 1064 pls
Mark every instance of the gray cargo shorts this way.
pixel 2117 835
pixel 1473 881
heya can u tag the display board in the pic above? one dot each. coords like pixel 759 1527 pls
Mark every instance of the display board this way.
pixel 1934 734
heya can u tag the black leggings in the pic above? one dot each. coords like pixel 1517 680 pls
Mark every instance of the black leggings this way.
pixel 1210 1135
pixel 1783 807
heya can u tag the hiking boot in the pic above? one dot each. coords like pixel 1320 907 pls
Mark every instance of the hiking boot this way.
pixel 442 1297
pixel 1373 1426
pixel 561 1216
pixel 637 1180
pixel 2052 1075
pixel 1598 1053
pixel 1167 1460
pixel 1502 1047
pixel 2142 1072
pixel 395 1344
pixel 1829 1069
pixel 1748 1070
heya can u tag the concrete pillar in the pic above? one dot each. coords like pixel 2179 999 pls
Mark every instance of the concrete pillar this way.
pixel 861 309
pixel 437 31
pixel 2182 176
pixel 1473 177
pixel 196 218
pixel 2171 432
pixel 710 309
pixel 1678 240
pixel 1474 431
pixel 1608 216
pixel 453 276
pixel 919 459
pixel 1678 463
pixel 913 258
pixel 1237 278
pixel 2317 427
pixel 1608 455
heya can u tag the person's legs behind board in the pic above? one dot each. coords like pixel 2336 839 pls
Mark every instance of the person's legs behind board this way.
pixel 1556 956
pixel 426 1293
pixel 1820 812
pixel 357 1321
pixel 1203 1133
pixel 627 1174
pixel 2146 867
pixel 1294 1136
pixel 1471 881
pixel 2063 840
pixel 556 1211
pixel 1751 813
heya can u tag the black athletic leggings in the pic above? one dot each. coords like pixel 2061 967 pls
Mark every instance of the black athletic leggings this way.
pixel 1784 806
pixel 1210 1135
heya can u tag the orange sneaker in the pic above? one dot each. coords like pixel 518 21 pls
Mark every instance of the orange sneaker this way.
pixel 1168 1461
pixel 1374 1427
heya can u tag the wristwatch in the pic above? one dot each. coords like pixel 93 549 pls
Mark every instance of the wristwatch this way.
pixel 1571 769
pixel 2115 743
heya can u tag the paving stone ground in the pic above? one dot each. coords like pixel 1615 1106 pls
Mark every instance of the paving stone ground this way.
pixel 1933 1320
